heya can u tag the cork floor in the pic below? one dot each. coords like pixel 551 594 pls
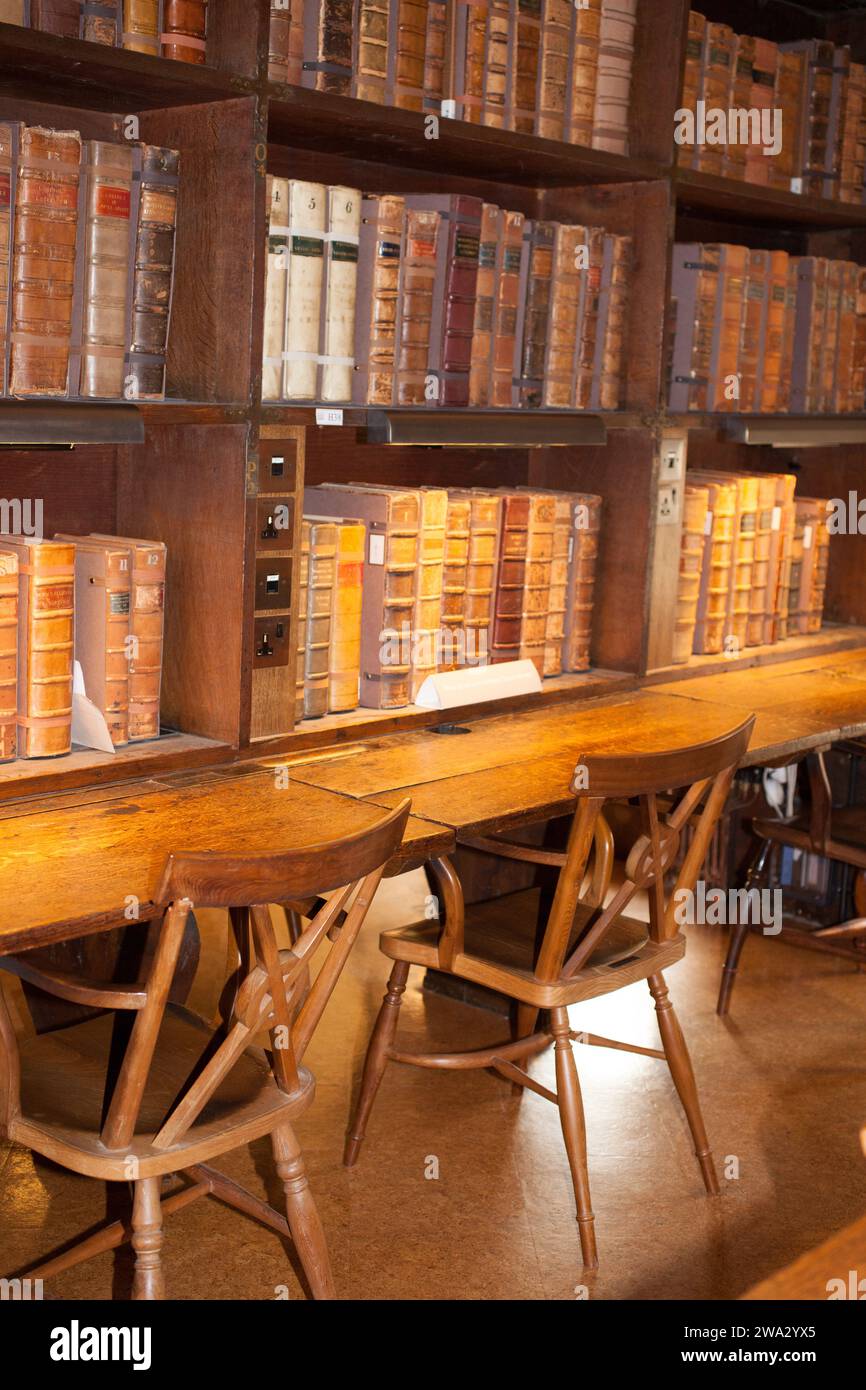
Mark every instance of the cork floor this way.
pixel 462 1192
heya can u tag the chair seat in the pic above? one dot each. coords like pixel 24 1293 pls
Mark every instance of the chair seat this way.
pixel 63 1097
pixel 500 937
pixel 848 841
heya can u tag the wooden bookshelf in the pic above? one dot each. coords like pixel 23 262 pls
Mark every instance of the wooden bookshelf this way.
pixel 213 455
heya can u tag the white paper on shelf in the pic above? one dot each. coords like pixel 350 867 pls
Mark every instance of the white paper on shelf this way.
pixel 89 728
pixel 474 684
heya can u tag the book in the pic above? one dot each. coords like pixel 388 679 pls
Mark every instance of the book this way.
pixel 481 353
pixel 557 590
pixel 147 571
pixel 453 294
pixel 184 30
pixel 708 284
pixel 585 39
pixel 407 53
pixel 421 233
pixel 763 95
pixel 608 379
pixel 752 329
pixel 101 21
pixel 807 362
pixel 696 501
pixel 141 26
pixel 569 280
pixel 8 654
pixel 46 607
pixel 816 149
pixel 370 53
pixel 320 584
pixel 107 255
pixel 536 312
pixel 692 89
pixel 435 55
pixel 742 64
pixel 392 518
pixel 10 141
pixel 771 345
pixel 60 17
pixel 841 397
pixel 786 559
pixel 778 551
pixel 380 248
pixel 465 69
pixel 858 371
pixel 613 90
pixel 711 620
pixel 276 280
pixel 43 261
pixel 103 585
pixel 790 97
pixel 328 26
pixel 522 89
pixel 507 615
pixel 13 12
pixel 427 614
pixel 586 516
pixel 301 620
pixel 305 274
pixel 720 55
pixel 590 331
pixel 454 581
pixel 761 597
pixel 153 273
pixel 344 653
pixel 286 42
pixel 509 255
pixel 484 512
pixel 553 68
pixel 338 297
pixel 852 137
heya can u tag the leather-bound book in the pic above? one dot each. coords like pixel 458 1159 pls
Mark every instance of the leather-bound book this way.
pixel 760 599
pixel 308 204
pixel 481 365
pixel 711 621
pixel 582 83
pixel 742 61
pixel 46 574
pixel 301 622
pixel 457 528
pixel 338 298
pixel 836 122
pixel 107 256
pixel 788 341
pixel 536 309
pixel 763 98
pixel 554 72
pixel 772 343
pixel 141 26
pixel 789 519
pixel 745 547
pixel 43 261
pixel 153 276
pixel 522 91
pixel 858 370
pixel 561 508
pixel 830 337
pixel 510 577
pixel 379 259
pixel 370 63
pixel 435 55
pixel 497 63
pixel 344 657
pixel 10 144
pixel 101 21
pixel 427 616
pixel 392 517
pixel 453 294
pixel 406 55
pixel 817 150
pixel 820 565
pixel 727 329
pixel 275 288
pixel 790 99
pixel 509 254
pixel 718 67
pixel 591 323
pixel 8 654
pixel 694 291
pixel 696 502
pixel 608 383
pixel 421 234
pixel 812 284
pixel 103 585
pixel 184 30
pixel 328 45
pixel 852 147
pixel 147 569
pixel 465 69
pixel 782 505
pixel 692 79
pixel 582 568
pixel 809 566
pixel 286 42
pixel 320 584
pixel 615 60
pixel 753 322
pixel 13 12
pixel 566 302
pixel 843 378
pixel 61 17
pixel 484 516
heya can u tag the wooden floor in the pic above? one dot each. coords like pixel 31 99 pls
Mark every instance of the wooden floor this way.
pixel 784 1087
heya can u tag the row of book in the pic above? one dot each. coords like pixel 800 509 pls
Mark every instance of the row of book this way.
pixel 753 563
pixel 557 68
pixel 819 92
pixel 87 239
pixel 396 584
pixel 97 600
pixel 762 331
pixel 173 28
pixel 438 299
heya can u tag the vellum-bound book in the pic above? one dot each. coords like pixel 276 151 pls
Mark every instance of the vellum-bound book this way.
pixel 536 584
pixel 102 610
pixel 344 656
pixel 338 299
pixel 306 259
pixel 427 618
pixel 276 280
pixel 46 607
pixel 695 510
pixel 507 616
pixel 481 558
pixel 457 530
pixel 147 568
pixel 301 638
pixel 107 251
pixel 320 584
pixel 8 654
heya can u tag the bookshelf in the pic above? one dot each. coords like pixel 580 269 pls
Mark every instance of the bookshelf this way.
pixel 213 456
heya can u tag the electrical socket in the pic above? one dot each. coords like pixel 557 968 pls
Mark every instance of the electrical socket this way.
pixel 673 460
pixel 668 504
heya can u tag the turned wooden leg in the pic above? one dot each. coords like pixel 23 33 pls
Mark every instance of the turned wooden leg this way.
pixel 573 1132
pixel 301 1211
pixel 680 1065
pixel 740 930
pixel 147 1240
pixel 376 1060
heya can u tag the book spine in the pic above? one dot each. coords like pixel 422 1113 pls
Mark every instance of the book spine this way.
pixel 465 72
pixel 809 323
pixel 427 616
pixel 275 288
pixel 522 92
pixel 510 579
pixel 609 378
pixel 830 336
pixel 328 29
pixel 758 163
pixel 695 510
pixel 406 55
pixel 60 17
pixel 481 576
pixel 184 30
pixel 45 648
pixel 852 147
pixel 146 627
pixel 286 42
pixel 8 654
pixel 481 356
pixel 102 626
pixel 760 598
pixel 141 26
pixel 754 311
pixel 711 624
pixel 739 601
pixel 101 21
pixel 379 262
pixel 568 276
pixel 615 60
pixel 785 570
pixel 453 300
pixel 858 372
pixel 496 63
pixel 692 78
pixel 785 382
pixel 836 122
pixel 507 292
pixel 789 99
pixel 582 567
pixel 783 492
pixel 10 144
pixel 421 233
pixel 590 322
pixel 557 599
pixel 307 213
pixel 727 329
pixel 695 290
pixel 320 584
pixel 107 254
pixel 370 57
pixel 454 582
pixel 537 314
pixel 771 347
pixel 435 55
pixel 583 68
pixel 338 300
pixel 554 72
pixel 344 659
pixel 301 627
pixel 153 274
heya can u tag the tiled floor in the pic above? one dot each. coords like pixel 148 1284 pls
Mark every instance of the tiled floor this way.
pixel 463 1192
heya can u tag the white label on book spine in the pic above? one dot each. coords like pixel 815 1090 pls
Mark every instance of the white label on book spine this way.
pixel 807 538
pixel 376 554
pixel 708 524
pixel 776 521
pixel 449 108
pixel 329 417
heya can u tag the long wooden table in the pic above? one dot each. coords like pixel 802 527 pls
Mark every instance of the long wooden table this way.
pixel 69 864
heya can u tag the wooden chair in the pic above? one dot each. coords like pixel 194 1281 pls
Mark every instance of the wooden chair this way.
pixel 583 950
pixel 180 1093
pixel 838 834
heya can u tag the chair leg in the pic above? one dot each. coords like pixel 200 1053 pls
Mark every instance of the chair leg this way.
pixel 376 1060
pixel 680 1065
pixel 147 1240
pixel 740 930
pixel 304 1222
pixel 573 1132
pixel 523 1025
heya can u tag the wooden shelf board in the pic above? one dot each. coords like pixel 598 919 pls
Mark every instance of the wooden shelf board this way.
pixel 755 203
pixel 364 130
pixel 831 638
pixel 86 767
pixel 358 418
pixel 722 420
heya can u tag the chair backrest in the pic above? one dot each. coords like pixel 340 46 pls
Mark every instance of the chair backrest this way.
pixel 274 993
pixel 706 771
